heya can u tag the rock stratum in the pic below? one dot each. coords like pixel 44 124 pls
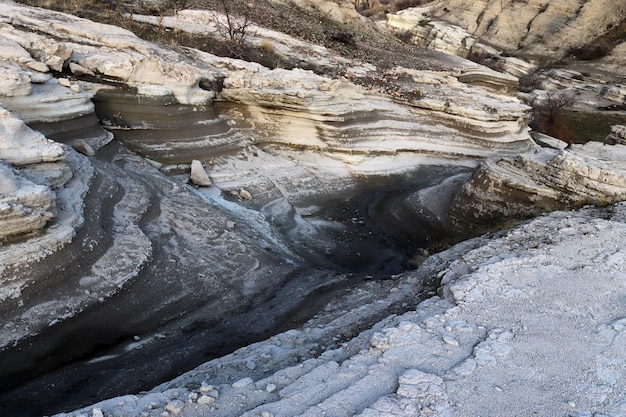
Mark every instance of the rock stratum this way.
pixel 314 194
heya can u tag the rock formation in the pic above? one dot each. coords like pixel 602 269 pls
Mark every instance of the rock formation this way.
pixel 533 29
pixel 472 349
pixel 323 179
pixel 617 136
pixel 542 181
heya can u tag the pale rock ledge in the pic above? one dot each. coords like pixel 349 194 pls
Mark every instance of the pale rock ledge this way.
pixel 542 181
pixel 25 207
pixel 20 145
pixel 107 51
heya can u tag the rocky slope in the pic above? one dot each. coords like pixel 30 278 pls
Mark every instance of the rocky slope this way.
pixel 327 183
pixel 536 30
pixel 492 342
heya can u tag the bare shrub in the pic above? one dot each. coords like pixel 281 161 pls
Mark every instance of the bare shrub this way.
pixel 495 62
pixel 546 112
pixel 530 82
pixel 405 4
pixel 590 52
pixel 234 28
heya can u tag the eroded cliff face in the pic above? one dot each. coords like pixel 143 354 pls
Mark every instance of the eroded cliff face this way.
pixel 530 29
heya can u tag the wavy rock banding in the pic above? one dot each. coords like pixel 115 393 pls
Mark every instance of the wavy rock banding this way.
pixel 148 274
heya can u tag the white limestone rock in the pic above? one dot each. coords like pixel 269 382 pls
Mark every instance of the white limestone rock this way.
pixel 545 180
pixel 105 50
pixel 25 207
pixel 14 81
pixel 418 27
pixel 20 145
pixel 532 28
pixel 198 175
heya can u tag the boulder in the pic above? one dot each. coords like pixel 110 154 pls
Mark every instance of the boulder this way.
pixel 541 181
pixel 81 146
pixel 199 176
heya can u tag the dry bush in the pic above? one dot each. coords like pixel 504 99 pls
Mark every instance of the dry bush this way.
pixel 495 62
pixel 589 52
pixel 234 26
pixel 545 114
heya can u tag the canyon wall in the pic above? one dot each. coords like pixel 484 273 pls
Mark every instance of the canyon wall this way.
pixel 319 178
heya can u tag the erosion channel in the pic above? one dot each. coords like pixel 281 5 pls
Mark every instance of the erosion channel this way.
pixel 185 303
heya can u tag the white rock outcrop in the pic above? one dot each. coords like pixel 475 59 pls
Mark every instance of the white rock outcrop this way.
pixel 417 25
pixel 25 207
pixel 533 28
pixel 20 145
pixel 541 181
pixel 106 51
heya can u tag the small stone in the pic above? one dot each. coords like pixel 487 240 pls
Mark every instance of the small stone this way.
pixel 64 82
pixel 270 388
pixel 199 176
pixel 244 194
pixel 449 340
pixel 230 225
pixel 154 163
pixel 214 393
pixel 55 63
pixel 242 383
pixel 250 365
pixel 175 407
pixel 83 147
pixel 37 66
pixel 206 400
pixel 79 70
pixel 266 414
pixel 204 388
pixel 75 88
pixel 96 412
pixel 193 396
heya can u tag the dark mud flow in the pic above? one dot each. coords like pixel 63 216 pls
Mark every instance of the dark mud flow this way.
pixel 188 304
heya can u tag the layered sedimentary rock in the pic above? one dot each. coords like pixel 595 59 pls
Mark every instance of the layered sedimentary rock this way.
pixel 25 206
pixel 416 25
pixel 146 273
pixel 22 146
pixel 533 28
pixel 472 349
pixel 513 36
pixel 108 52
pixel 542 181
